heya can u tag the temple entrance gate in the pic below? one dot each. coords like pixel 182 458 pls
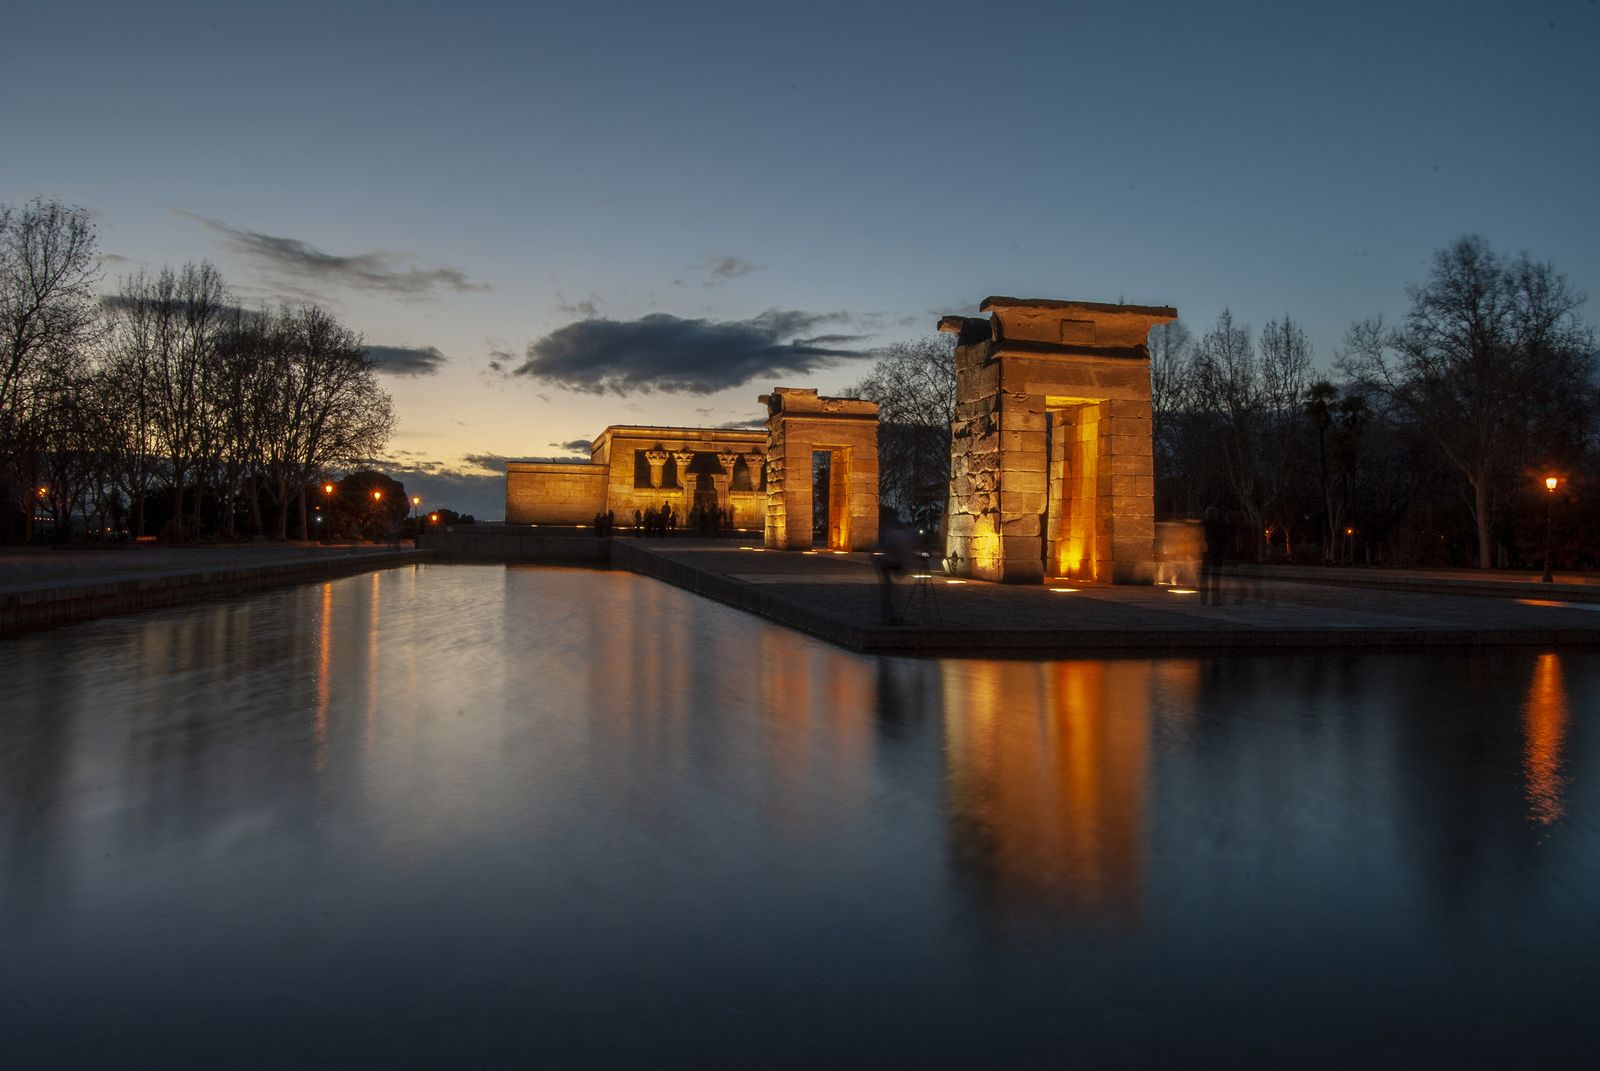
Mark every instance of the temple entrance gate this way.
pixel 1051 467
pixel 799 425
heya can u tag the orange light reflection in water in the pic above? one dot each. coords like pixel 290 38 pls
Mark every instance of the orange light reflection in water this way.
pixel 370 722
pixel 1047 769
pixel 1544 726
pixel 324 668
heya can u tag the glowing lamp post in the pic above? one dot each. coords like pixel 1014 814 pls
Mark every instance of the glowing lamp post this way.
pixel 416 515
pixel 1550 485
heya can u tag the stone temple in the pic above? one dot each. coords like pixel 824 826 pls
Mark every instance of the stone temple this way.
pixel 638 468
pixel 1051 470
pixel 748 476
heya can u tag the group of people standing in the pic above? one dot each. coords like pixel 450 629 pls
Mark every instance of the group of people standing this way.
pixel 604 523
pixel 709 520
pixel 655 522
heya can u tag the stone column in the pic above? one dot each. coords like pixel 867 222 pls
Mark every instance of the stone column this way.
pixel 685 481
pixel 724 482
pixel 658 461
pixel 755 463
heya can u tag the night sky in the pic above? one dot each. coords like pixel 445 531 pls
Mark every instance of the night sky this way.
pixel 548 218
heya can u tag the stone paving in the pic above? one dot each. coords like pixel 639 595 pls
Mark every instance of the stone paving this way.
pixel 837 596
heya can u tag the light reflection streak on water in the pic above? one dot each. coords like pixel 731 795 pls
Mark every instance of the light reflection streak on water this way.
pixel 324 673
pixel 370 720
pixel 1544 719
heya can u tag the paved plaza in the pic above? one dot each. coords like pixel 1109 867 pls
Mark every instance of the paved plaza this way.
pixel 837 597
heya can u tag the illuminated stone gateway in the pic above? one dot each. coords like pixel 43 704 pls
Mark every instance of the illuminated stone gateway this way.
pixel 801 425
pixel 1051 471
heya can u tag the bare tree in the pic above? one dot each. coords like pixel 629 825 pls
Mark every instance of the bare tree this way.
pixel 1179 464
pixel 1285 375
pixel 328 410
pixel 47 310
pixel 914 384
pixel 1228 389
pixel 1490 352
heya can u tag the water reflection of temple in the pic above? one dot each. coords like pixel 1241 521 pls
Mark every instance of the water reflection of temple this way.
pixel 1047 772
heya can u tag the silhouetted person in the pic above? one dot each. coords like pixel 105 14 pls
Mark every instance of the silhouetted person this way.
pixel 892 557
pixel 638 523
pixel 611 520
pixel 1216 531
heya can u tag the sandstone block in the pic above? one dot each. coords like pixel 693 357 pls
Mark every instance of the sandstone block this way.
pixel 1124 408
pixel 1129 465
pixel 1019 525
pixel 1028 442
pixel 1125 486
pixel 1028 480
pixel 1030 502
pixel 1019 418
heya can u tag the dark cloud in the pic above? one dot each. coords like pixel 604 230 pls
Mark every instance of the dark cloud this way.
pixel 721 269
pixel 407 361
pixel 381 270
pixel 743 425
pixel 577 446
pixel 498 462
pixel 502 361
pixel 586 309
pixel 661 352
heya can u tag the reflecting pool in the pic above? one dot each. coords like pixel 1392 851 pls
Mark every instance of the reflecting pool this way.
pixel 458 814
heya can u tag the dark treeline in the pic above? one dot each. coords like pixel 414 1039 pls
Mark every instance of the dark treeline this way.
pixel 1425 442
pixel 166 409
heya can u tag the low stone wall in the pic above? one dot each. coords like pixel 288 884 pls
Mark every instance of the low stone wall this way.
pixel 515 543
pixel 61 604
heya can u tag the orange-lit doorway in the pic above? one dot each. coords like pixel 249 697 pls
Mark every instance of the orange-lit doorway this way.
pixel 830 489
pixel 1070 527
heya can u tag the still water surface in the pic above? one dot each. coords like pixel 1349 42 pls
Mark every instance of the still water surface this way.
pixel 452 814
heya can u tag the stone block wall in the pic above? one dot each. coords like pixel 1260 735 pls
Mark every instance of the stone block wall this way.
pixel 554 494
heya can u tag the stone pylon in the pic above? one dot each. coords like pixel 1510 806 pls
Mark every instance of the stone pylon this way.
pixel 1051 470
pixel 800 424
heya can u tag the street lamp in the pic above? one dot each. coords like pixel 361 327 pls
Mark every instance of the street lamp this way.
pixel 1550 485
pixel 416 504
